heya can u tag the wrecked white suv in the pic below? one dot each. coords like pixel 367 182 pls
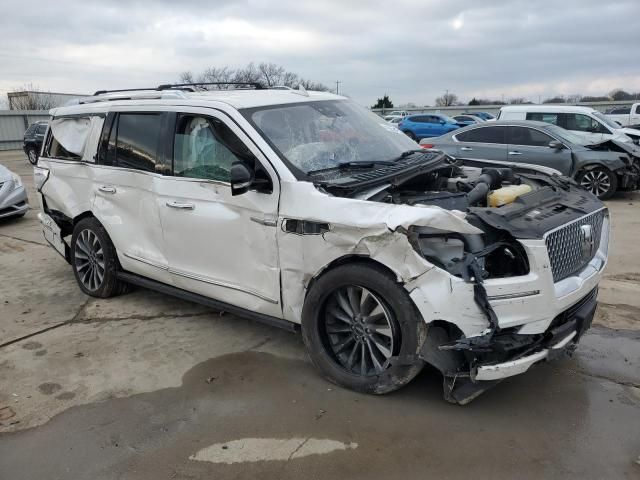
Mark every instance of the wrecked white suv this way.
pixel 302 209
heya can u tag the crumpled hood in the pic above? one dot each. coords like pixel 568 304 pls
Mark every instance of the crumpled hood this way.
pixel 628 147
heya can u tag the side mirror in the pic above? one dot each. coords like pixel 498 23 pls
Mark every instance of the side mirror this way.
pixel 556 145
pixel 241 178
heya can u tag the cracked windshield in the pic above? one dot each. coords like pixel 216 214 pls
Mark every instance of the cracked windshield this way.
pixel 317 136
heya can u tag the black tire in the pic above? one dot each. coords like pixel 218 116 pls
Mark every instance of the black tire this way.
pixel 600 181
pixel 407 330
pixel 92 251
pixel 32 156
pixel 411 135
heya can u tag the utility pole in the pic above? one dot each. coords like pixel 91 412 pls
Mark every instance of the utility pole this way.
pixel 338 82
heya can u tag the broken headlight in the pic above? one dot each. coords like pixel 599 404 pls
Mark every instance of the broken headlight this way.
pixel 453 252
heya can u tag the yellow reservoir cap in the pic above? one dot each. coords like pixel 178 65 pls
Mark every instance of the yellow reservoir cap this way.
pixel 506 195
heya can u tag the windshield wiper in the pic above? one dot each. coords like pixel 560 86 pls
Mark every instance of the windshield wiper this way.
pixel 353 166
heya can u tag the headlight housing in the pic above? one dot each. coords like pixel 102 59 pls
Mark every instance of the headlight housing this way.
pixel 17 181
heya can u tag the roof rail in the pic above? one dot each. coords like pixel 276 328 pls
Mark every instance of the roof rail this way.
pixel 169 86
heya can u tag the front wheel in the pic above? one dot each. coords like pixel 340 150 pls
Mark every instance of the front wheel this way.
pixel 411 135
pixel 32 155
pixel 361 329
pixel 94 260
pixel 600 181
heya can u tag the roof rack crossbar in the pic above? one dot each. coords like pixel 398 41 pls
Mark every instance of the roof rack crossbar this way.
pixel 102 92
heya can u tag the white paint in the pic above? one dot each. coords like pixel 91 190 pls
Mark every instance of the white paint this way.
pixel 268 449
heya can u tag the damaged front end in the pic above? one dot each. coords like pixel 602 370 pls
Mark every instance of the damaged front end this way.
pixel 509 267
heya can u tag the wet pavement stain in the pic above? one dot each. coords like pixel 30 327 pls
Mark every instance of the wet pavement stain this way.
pixel 412 433
pixel 49 388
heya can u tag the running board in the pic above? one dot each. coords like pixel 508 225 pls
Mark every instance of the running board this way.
pixel 209 302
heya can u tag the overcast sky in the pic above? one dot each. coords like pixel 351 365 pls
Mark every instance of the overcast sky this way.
pixel 412 50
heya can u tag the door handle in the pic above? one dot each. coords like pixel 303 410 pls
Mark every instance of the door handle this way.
pixel 264 221
pixel 515 153
pixel 181 206
pixel 466 149
pixel 107 189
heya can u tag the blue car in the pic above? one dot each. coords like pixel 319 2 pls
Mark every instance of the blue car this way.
pixel 486 116
pixel 425 125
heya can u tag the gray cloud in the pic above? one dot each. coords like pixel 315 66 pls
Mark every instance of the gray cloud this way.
pixel 411 49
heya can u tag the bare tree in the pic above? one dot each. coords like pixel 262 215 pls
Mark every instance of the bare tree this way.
pixel 518 101
pixel 447 100
pixel 267 74
pixel 30 97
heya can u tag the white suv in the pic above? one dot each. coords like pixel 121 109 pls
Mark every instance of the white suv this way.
pixel 302 209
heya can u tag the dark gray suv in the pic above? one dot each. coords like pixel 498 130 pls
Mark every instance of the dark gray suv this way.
pixel 602 168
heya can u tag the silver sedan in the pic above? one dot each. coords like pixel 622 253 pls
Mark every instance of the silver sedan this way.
pixel 13 195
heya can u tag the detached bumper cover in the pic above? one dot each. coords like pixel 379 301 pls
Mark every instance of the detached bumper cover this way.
pixel 13 201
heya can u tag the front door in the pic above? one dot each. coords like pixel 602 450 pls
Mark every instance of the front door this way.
pixel 218 245
pixel 529 145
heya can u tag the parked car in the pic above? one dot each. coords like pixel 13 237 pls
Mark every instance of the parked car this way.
pixel 33 138
pixel 308 212
pixel 466 120
pixel 425 125
pixel 395 121
pixel 396 114
pixel 626 116
pixel 13 195
pixel 601 168
pixel 584 120
pixel 486 116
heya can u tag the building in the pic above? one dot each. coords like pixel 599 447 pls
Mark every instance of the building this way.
pixel 32 100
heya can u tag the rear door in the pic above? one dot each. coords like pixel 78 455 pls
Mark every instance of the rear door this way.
pixel 530 145
pixel 634 117
pixel 483 142
pixel 220 246
pixel 130 162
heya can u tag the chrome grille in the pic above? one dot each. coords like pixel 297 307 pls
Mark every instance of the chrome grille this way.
pixel 572 246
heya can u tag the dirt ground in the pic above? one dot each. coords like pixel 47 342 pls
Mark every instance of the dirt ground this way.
pixel 149 387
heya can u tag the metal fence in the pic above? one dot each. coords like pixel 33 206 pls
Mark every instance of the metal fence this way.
pixel 494 109
pixel 13 124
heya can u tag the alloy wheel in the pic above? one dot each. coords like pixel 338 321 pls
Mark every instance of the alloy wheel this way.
pixel 359 330
pixel 89 260
pixel 596 182
pixel 33 157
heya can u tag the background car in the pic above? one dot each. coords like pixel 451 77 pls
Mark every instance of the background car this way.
pixel 33 138
pixel 13 195
pixel 426 125
pixel 626 116
pixel 486 116
pixel 466 120
pixel 583 120
pixel 395 121
pixel 601 168
pixel 396 114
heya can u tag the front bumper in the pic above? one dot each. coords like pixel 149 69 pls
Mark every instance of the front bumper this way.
pixel 13 201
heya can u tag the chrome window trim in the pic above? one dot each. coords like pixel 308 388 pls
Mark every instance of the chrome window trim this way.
pixel 455 139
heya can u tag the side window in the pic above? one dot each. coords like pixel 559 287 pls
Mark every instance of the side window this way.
pixel 137 139
pixel 418 119
pixel 528 137
pixel 543 117
pixel 41 128
pixel 205 147
pixel 638 109
pixel 483 135
pixel 31 129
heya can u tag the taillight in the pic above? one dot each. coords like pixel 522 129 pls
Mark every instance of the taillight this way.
pixel 427 145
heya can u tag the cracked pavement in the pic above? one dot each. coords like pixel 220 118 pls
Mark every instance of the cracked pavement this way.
pixel 136 386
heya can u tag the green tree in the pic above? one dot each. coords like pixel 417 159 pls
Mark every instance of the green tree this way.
pixel 383 102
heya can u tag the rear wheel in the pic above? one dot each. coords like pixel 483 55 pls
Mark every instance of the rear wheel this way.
pixel 94 260
pixel 32 155
pixel 411 135
pixel 600 181
pixel 362 330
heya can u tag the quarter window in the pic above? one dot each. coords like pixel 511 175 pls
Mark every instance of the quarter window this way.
pixel 483 135
pixel 528 137
pixel 206 148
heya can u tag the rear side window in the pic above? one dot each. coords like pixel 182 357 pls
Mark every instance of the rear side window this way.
pixel 543 117
pixel 137 140
pixel 41 128
pixel 31 129
pixel 638 109
pixel 418 119
pixel 528 137
pixel 483 135
pixel 205 148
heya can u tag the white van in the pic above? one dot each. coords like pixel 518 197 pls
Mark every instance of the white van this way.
pixel 586 120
